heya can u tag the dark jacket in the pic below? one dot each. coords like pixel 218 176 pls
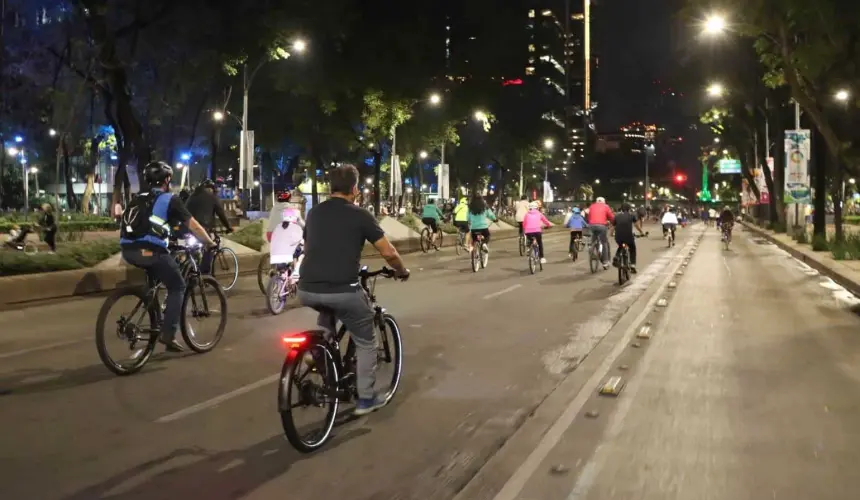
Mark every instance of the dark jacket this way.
pixel 204 206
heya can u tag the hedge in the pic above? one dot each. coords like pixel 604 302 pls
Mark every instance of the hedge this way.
pixel 81 225
pixel 69 256
pixel 250 236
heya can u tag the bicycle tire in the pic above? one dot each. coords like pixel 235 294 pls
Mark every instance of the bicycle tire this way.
pixel 392 352
pixel 485 256
pixel 475 256
pixel 522 245
pixel 184 326
pixel 425 240
pixel 532 266
pixel 100 331
pixel 226 256
pixel 459 246
pixel 273 289
pixel 592 261
pixel 295 359
pixel 264 267
pixel 30 249
pixel 438 244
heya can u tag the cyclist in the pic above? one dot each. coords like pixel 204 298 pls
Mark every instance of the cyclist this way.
pixel 431 216
pixel 727 221
pixel 461 216
pixel 624 223
pixel 479 220
pixel 286 237
pixel 669 221
pixel 521 208
pixel 576 224
pixel 533 224
pixel 204 206
pixel 599 218
pixel 144 236
pixel 336 231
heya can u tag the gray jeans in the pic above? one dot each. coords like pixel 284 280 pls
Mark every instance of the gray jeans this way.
pixel 356 312
pixel 602 232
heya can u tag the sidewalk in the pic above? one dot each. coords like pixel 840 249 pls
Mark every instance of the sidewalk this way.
pixel 748 389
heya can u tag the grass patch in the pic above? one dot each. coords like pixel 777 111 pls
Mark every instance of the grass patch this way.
pixel 820 243
pixel 69 256
pixel 801 236
pixel 250 236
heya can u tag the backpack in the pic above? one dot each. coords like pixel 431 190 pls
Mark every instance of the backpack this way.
pixel 136 220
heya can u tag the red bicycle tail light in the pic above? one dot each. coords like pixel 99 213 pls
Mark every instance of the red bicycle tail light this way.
pixel 295 340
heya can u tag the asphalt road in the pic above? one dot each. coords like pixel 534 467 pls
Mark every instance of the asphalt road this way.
pixel 746 389
pixel 483 351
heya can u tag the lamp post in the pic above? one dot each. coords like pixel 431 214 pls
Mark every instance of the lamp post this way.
pixel 434 100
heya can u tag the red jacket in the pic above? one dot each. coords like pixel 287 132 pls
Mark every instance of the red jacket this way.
pixel 600 214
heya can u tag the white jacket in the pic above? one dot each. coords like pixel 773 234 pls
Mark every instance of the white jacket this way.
pixel 522 208
pixel 670 218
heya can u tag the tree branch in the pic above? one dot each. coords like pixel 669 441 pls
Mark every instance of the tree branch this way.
pixel 85 75
pixel 141 24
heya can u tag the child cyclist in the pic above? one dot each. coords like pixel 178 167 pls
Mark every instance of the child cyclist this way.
pixel 576 224
pixel 533 223
pixel 286 237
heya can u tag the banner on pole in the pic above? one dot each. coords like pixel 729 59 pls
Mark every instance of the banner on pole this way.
pixel 444 181
pixel 797 147
pixel 396 187
pixel 249 158
pixel 547 192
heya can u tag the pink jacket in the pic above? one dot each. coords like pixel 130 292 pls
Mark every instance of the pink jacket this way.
pixel 534 222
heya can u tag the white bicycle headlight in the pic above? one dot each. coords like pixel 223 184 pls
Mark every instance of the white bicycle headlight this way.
pixel 191 241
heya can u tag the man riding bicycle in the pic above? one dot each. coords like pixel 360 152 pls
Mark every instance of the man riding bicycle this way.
pixel 205 206
pixel 431 216
pixel 624 223
pixel 670 222
pixel 335 232
pixel 521 208
pixel 144 237
pixel 727 221
pixel 599 218
pixel 461 216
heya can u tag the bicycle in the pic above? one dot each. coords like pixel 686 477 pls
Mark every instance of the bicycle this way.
pixel 727 235
pixel 322 355
pixel 480 254
pixel 264 269
pixel 671 235
pixel 281 287
pixel 578 246
pixel 595 253
pixel 522 243
pixel 429 238
pixel 534 257
pixel 21 244
pixel 224 257
pixel 623 259
pixel 461 241
pixel 132 330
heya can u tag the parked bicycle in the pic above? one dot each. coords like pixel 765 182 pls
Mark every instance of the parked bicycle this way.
pixel 140 327
pixel 20 244
pixel 314 352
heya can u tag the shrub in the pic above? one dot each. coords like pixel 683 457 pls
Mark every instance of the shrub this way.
pixel 69 256
pixel 778 227
pixel 820 243
pixel 801 236
pixel 250 236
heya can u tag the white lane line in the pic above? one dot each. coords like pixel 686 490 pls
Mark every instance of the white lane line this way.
pixel 217 400
pixel 500 292
pixel 728 269
pixel 45 347
pixel 518 480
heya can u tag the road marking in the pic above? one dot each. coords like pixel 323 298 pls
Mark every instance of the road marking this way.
pixel 518 480
pixel 217 400
pixel 45 347
pixel 500 292
pixel 726 263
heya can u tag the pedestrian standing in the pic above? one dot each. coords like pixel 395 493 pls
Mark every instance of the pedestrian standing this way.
pixel 49 226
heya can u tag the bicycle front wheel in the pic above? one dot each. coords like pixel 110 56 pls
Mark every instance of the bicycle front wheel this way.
pixel 225 268
pixel 136 329
pixel 276 298
pixel 264 269
pixel 389 357
pixel 300 367
pixel 425 240
pixel 204 302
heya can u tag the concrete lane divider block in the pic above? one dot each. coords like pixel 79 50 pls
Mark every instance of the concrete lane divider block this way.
pixel 644 332
pixel 662 302
pixel 673 284
pixel 612 387
pixel 592 414
pixel 679 272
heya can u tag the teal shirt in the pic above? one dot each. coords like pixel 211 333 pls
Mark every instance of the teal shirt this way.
pixel 481 221
pixel 431 212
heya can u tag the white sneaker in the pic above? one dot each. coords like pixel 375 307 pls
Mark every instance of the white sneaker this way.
pixel 542 260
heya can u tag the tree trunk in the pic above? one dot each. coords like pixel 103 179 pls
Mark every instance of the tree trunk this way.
pixel 837 191
pixel 819 215
pixel 377 173
pixel 71 199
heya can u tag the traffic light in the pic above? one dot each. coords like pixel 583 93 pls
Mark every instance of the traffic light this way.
pixel 680 178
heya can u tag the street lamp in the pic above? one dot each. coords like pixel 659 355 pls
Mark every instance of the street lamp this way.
pixel 185 156
pixel 842 95
pixel 597 181
pixel 716 140
pixel 481 116
pixel 19 139
pixel 300 45
pixel 422 155
pixel 369 180
pixel 725 151
pixel 548 144
pixel 52 132
pixel 435 99
pixel 12 151
pixel 218 116
pixel 715 24
pixel 716 90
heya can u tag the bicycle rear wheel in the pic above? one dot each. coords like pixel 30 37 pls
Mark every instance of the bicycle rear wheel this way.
pixel 225 268
pixel 459 246
pixel 476 257
pixel 425 240
pixel 275 300
pixel 522 245
pixel 485 255
pixel 141 339
pixel 203 299
pixel 592 260
pixel 294 383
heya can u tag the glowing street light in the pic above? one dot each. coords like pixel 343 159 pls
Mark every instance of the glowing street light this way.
pixel 716 90
pixel 435 99
pixel 52 132
pixel 423 187
pixel 13 151
pixel 19 139
pixel 218 116
pixel 716 140
pixel 369 180
pixel 185 156
pixel 366 191
pixel 641 183
pixel 409 190
pixel 422 155
pixel 481 116
pixel 597 181
pixel 715 24
pixel 548 144
pixel 256 183
pixel 852 180
pixel 842 95
pixel 34 170
pixel 725 151
pixel 300 45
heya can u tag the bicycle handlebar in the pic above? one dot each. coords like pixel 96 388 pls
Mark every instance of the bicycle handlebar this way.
pixel 384 271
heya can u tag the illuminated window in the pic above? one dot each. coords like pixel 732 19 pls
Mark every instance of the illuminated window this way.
pixel 531 47
pixel 577 17
pixel 531 13
pixel 530 70
pixel 546 13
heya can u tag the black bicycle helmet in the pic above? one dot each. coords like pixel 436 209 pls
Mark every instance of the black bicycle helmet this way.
pixel 208 183
pixel 157 172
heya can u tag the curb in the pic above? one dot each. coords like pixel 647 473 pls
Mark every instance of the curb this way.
pixel 28 289
pixel 850 284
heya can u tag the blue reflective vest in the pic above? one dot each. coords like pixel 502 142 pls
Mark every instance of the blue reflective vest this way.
pixel 158 218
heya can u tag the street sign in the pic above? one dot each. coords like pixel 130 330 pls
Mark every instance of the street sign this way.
pixel 730 166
